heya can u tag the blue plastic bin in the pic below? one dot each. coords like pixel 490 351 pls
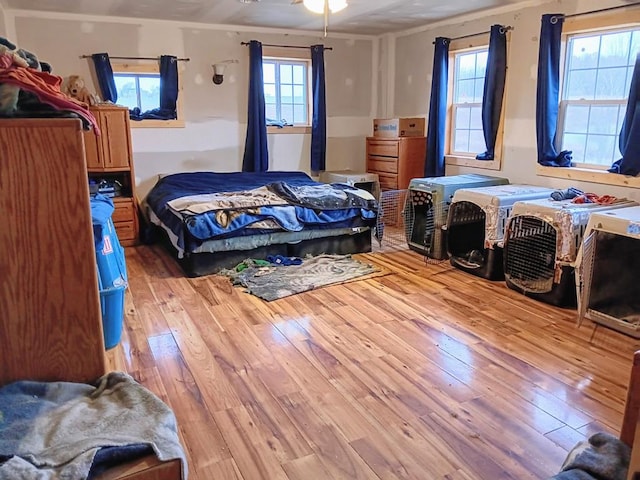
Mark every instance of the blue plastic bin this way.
pixel 112 269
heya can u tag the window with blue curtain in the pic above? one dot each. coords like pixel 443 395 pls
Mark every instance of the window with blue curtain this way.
pixel 149 93
pixel 598 76
pixel 479 74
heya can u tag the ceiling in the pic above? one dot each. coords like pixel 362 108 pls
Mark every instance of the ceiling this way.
pixel 372 17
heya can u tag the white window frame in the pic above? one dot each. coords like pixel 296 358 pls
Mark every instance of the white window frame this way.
pixel 465 159
pixel 564 104
pixel 295 56
pixel 152 69
pixel 583 24
pixel 455 106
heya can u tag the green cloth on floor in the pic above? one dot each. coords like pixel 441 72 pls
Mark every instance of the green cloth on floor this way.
pixel 251 262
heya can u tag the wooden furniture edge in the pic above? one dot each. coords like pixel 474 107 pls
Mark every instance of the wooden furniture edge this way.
pixel 146 468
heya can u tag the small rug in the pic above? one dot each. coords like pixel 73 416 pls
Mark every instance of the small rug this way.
pixel 274 282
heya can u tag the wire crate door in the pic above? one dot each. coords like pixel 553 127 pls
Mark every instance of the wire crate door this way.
pixel 585 274
pixel 391 227
pixel 530 254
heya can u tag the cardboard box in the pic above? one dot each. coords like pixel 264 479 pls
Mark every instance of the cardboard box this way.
pixel 398 127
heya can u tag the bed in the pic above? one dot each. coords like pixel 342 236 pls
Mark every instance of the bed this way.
pixel 210 221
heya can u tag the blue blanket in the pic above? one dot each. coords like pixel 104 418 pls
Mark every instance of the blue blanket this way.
pixel 301 203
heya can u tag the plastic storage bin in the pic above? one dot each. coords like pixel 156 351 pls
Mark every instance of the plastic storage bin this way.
pixel 112 269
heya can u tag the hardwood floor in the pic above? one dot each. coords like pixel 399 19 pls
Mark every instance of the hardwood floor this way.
pixel 423 373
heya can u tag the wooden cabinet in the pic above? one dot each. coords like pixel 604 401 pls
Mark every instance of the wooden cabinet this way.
pixel 110 159
pixel 50 322
pixel 50 315
pixel 396 160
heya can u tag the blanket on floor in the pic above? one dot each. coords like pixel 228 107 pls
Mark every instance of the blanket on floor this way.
pixel 601 457
pixel 63 430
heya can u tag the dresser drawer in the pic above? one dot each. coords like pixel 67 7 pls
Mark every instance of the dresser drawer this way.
pixel 125 231
pixel 382 148
pixel 388 182
pixel 123 211
pixel 382 164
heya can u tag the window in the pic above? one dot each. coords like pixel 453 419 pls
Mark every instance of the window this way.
pixel 467 137
pixel 598 69
pixel 286 91
pixel 139 86
pixel 138 90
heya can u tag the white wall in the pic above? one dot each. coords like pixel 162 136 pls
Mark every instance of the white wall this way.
pixel 3 28
pixel 412 79
pixel 215 115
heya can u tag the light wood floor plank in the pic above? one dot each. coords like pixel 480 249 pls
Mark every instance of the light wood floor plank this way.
pixel 422 373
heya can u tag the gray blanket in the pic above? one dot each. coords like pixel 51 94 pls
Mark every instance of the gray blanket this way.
pixel 54 430
pixel 601 457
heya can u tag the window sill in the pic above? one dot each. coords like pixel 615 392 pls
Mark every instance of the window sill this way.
pixel 289 129
pixel 464 161
pixel 157 123
pixel 589 175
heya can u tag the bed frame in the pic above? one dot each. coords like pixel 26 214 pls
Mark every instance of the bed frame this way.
pixel 200 264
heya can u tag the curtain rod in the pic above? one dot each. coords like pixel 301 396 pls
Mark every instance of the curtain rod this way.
pixel 555 19
pixel 462 37
pixel 138 58
pixel 283 46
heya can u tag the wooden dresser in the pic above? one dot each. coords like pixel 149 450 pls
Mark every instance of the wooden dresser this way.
pixel 50 315
pixel 110 158
pixel 396 160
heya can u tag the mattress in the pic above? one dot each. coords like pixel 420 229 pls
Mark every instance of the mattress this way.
pixel 210 208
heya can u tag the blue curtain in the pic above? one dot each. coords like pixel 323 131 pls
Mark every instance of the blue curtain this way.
pixel 319 122
pixel 104 73
pixel 629 140
pixel 434 161
pixel 256 155
pixel 493 89
pixel 168 93
pixel 547 95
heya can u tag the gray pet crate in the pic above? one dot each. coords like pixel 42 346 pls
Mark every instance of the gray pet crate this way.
pixel 426 209
pixel 541 244
pixel 476 224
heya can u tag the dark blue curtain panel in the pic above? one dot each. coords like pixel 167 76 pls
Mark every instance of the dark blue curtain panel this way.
pixel 547 95
pixel 256 154
pixel 319 121
pixel 493 93
pixel 629 140
pixel 104 73
pixel 434 161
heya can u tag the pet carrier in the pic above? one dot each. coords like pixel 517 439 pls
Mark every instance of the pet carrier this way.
pixel 476 222
pixel 541 243
pixel 607 270
pixel 426 207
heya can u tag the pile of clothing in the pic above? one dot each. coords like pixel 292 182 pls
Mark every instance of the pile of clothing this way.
pixel 28 89
pixel 578 196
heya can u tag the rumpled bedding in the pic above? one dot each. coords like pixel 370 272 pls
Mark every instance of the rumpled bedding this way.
pixel 72 431
pixel 202 206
